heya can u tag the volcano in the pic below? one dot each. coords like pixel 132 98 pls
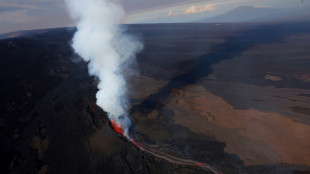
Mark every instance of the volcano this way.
pixel 208 98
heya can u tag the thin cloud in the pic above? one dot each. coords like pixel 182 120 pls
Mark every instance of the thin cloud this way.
pixel 135 6
pixel 16 5
pixel 15 16
pixel 261 6
pixel 198 9
pixel 32 4
pixel 172 13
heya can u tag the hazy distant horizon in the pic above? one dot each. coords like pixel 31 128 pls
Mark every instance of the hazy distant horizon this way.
pixel 38 14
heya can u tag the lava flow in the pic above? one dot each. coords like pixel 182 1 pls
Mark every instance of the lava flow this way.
pixel 117 128
pixel 175 160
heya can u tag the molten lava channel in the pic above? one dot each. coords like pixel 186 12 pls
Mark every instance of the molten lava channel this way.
pixel 179 161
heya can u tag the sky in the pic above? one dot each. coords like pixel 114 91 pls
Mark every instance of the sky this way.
pixel 34 14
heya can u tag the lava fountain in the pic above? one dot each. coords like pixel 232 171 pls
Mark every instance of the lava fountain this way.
pixel 117 128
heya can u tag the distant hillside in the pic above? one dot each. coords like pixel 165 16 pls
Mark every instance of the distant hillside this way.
pixel 22 33
pixel 252 14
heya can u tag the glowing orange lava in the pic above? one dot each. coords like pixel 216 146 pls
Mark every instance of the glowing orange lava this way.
pixel 134 143
pixel 173 159
pixel 199 164
pixel 116 127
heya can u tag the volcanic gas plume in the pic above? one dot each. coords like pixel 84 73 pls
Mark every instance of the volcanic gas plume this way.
pixel 103 43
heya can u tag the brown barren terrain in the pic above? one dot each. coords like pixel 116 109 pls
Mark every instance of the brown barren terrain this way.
pixel 257 137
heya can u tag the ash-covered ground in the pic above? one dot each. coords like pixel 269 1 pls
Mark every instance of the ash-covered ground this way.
pixel 235 96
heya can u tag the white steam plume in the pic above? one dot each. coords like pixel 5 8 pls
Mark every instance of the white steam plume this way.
pixel 100 41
